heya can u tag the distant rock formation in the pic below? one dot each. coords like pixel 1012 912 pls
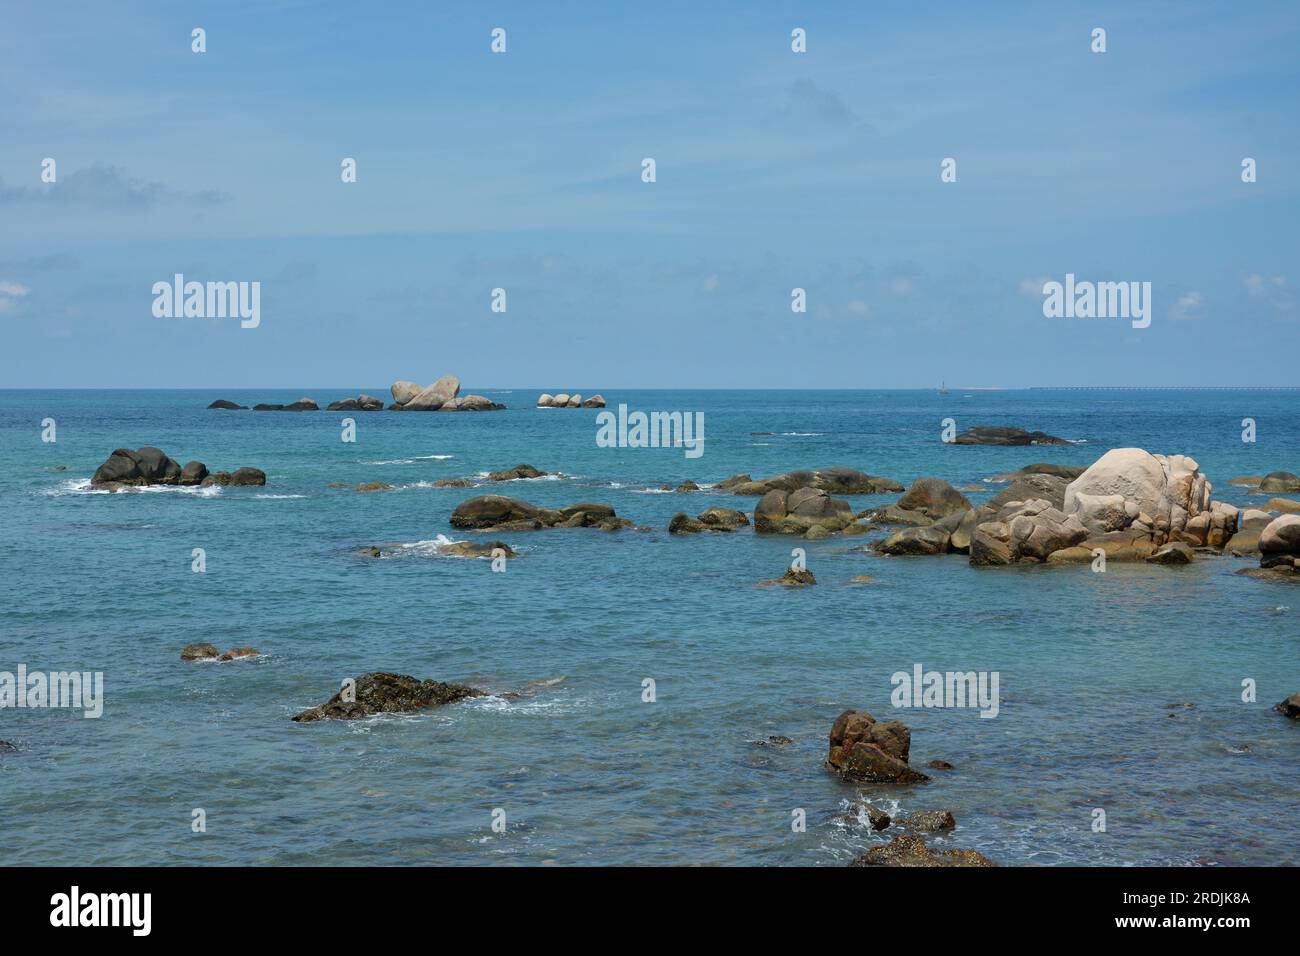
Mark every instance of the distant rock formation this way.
pixel 151 466
pixel 984 435
pixel 223 403
pixel 565 400
pixel 302 405
pixel 839 481
pixel 499 513
pixel 442 396
pixel 362 403
pixel 384 693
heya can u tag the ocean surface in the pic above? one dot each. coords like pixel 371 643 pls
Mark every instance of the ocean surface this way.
pixel 585 771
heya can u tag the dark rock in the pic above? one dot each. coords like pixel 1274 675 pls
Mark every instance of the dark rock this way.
pixel 912 541
pixel 7 748
pixel 1280 481
pixel 193 473
pixel 1029 487
pixel 1289 707
pixel 302 405
pixel 248 476
pixel 939 765
pixel 930 821
pixel 222 403
pixel 515 473
pixel 1068 472
pixel 453 483
pixel 200 652
pixel 839 481
pixel 385 693
pixel 497 512
pixel 714 519
pixel 682 523
pixel 1176 553
pixel 781 512
pixel 239 653
pixel 1006 436
pixel 688 486
pixel 863 749
pixel 910 850
pixel 934 498
pixel 791 579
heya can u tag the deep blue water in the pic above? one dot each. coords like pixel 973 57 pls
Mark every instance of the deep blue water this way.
pixel 587 772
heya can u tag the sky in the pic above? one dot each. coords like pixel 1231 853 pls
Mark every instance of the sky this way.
pixel 774 170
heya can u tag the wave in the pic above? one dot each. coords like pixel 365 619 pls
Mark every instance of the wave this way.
pixel 559 476
pixel 82 486
pixel 278 497
pixel 407 461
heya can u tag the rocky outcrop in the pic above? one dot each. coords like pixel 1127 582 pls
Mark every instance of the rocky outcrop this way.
pixel 499 513
pixel 1289 707
pixel 863 749
pixel 362 403
pixel 928 540
pixel 433 397
pixel 910 850
pixel 223 403
pixel 596 401
pixel 1280 481
pixel 839 481
pixel 930 821
pixel 152 466
pixel 442 396
pixel 471 403
pixel 385 693
pixel 302 405
pixel 200 652
pixel 1068 472
pixel 1024 533
pixel 800 511
pixel 714 519
pixel 1006 436
pixel 934 498
pixel 515 473
pixel 793 578
pixel 1279 550
pixel 565 400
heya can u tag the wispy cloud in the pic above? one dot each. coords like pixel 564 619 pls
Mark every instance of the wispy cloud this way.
pixel 103 186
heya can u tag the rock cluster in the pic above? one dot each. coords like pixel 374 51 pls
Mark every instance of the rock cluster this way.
pixel 714 519
pixel 1279 550
pixel 442 396
pixel 839 481
pixel 1006 436
pixel 910 850
pixel 385 693
pixel 864 749
pixel 499 513
pixel 806 511
pixel 302 405
pixel 362 403
pixel 209 652
pixel 151 466
pixel 565 400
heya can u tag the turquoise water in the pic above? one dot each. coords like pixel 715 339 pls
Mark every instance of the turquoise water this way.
pixel 585 771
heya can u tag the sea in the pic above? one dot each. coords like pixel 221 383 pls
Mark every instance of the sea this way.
pixel 633 679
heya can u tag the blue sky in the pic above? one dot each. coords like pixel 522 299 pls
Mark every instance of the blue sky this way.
pixel 775 170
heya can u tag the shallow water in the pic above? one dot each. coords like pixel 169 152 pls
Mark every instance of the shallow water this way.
pixel 585 771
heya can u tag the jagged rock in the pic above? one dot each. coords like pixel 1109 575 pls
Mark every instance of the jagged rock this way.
pixel 910 850
pixel 863 749
pixel 200 652
pixel 1027 532
pixel 223 403
pixel 385 693
pixel 1006 436
pixel 1280 481
pixel 930 821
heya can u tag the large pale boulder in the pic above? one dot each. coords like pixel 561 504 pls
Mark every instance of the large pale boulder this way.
pixel 435 396
pixel 1162 493
pixel 403 392
pixel 1281 536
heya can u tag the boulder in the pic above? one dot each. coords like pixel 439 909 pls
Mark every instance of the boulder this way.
pixel 435 396
pixel 193 473
pixel 1281 536
pixel 934 498
pixel 200 652
pixel 1160 494
pixel 1068 472
pixel 932 540
pixel 403 392
pixel 1249 480
pixel 682 523
pixel 151 466
pixel 687 485
pixel 793 578
pixel 910 850
pixel 497 512
pixel 1026 532
pixel 222 403
pixel 966 525
pixel 1289 707
pixel 385 693
pixel 575 401
pixel 1006 436
pixel 545 400
pixel 714 519
pixel 1175 553
pixel 930 821
pixel 781 512
pixel 596 401
pixel 471 403
pixel 1033 485
pixel 248 476
pixel 1280 481
pixel 840 481
pixel 362 403
pixel 515 473
pixel 863 749
pixel 1285 505
pixel 239 653
pixel 477 549
pixel 561 400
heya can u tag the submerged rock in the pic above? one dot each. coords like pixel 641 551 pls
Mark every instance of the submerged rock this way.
pixel 1006 436
pixel 239 653
pixel 714 519
pixel 384 693
pixel 478 549
pixel 200 652
pixel 910 850
pixel 793 578
pixel 863 749
pixel 222 403
pixel 515 473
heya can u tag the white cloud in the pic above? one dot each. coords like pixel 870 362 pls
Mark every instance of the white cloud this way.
pixel 712 282
pixel 1188 306
pixel 10 294
pixel 1033 288
pixel 859 308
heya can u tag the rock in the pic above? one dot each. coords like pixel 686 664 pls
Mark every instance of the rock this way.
pixel 1068 472
pixel 774 740
pixel 1243 542
pixel 435 396
pixel 930 821
pixel 688 486
pixel 1028 487
pixel 1285 505
pixel 575 401
pixel 966 525
pixel 714 519
pixel 471 403
pixel 403 392
pixel 910 850
pixel 478 549
pixel 145 466
pixel 840 481
pixel 384 693
pixel 917 541
pixel 863 749
pixel 374 486
pixel 596 401
pixel 1175 553
pixel 216 478
pixel 371 552
pixel 545 400
pixel 1282 573
pixel 515 473
pixel 729 484
pixel 1250 480
pixel 877 819
pixel 781 512
pixel 7 748
pixel 248 476
pixel 497 512
pixel 1024 533
pixel 239 653
pixel 302 405
pixel 934 498
pixel 200 652
pixel 1289 707
pixel 1169 491
pixel 1006 436
pixel 682 523
pixel 343 405
pixel 222 403
pixel 362 403
pixel 939 765
pixel 193 473
pixel 1280 481
pixel 1281 536
pixel 561 400
pixel 791 579
pixel 453 483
